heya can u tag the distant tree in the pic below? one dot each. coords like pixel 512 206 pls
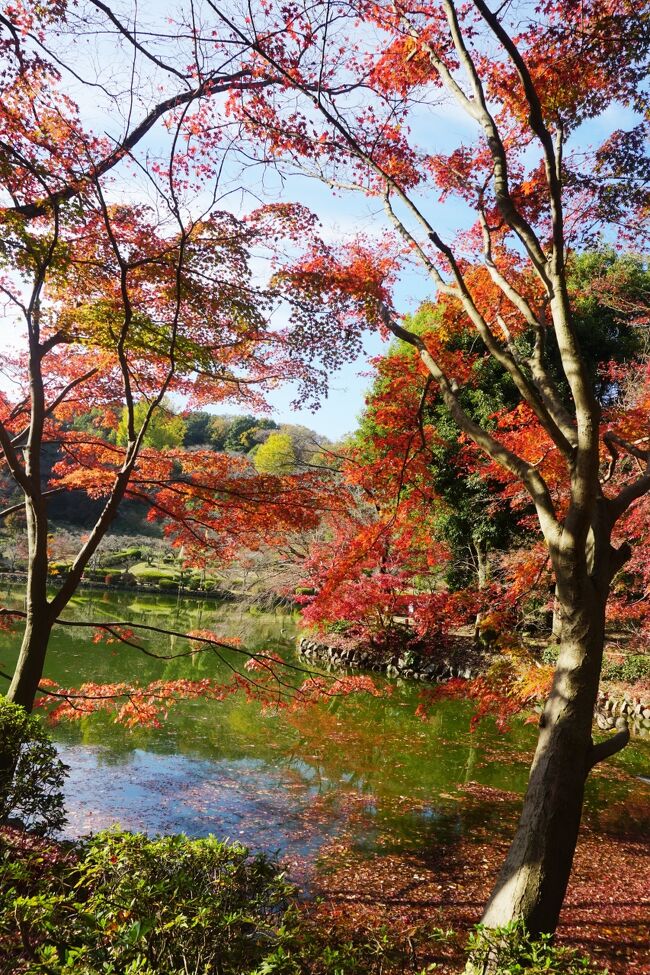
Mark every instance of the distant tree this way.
pixel 237 439
pixel 276 455
pixel 306 442
pixel 260 433
pixel 219 430
pixel 166 428
pixel 197 428
pixel 241 436
pixel 95 422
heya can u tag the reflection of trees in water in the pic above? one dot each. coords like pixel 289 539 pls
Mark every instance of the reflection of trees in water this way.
pixel 76 658
pixel 366 760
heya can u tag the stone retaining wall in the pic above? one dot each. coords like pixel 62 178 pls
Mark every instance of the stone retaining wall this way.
pixel 611 706
pixel 459 663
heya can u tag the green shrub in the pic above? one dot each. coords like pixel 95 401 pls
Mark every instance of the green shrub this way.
pixel 550 654
pixel 112 559
pixel 635 667
pixel 31 773
pixel 131 904
pixel 112 577
pixel 167 583
pixel 119 558
pixel 339 626
pixel 95 574
pixel 124 903
pixel 131 553
pixel 314 948
pixel 512 951
pixel 59 568
pixel 151 574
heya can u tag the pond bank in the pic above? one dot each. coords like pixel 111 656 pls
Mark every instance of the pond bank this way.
pixel 606 913
pixel 397 912
pixel 461 658
pixel 465 660
pixel 268 601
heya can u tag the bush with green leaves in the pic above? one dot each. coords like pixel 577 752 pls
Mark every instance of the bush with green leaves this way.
pixel 31 773
pixel 168 585
pixel 511 950
pixel 126 903
pixel 339 626
pixel 633 668
pixel 550 654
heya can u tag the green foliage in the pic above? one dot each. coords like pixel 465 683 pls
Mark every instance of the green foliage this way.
pixel 311 949
pixel 59 568
pixel 550 654
pixel 122 557
pixel 124 903
pixel 94 575
pixel 130 904
pixel 512 951
pixel 91 422
pixel 152 574
pixel 112 577
pixel 238 434
pixel 243 431
pixel 633 668
pixel 166 429
pixel 608 290
pixel 276 455
pixel 219 430
pixel 197 429
pixel 339 626
pixel 168 584
pixel 31 773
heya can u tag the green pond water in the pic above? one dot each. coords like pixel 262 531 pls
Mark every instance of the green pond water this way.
pixel 363 768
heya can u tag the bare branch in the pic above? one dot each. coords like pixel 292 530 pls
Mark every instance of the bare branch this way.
pixel 610 746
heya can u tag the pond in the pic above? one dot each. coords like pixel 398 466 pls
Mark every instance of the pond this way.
pixel 364 768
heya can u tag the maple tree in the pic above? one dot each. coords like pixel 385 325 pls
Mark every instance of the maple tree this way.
pixel 117 305
pixel 528 81
pixel 441 518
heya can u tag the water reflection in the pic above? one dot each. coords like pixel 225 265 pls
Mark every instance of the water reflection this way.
pixel 365 768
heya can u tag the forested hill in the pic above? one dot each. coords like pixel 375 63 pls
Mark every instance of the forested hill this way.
pixel 271 447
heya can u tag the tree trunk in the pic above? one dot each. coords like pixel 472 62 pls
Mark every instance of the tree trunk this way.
pixel 556 627
pixel 534 877
pixel 38 624
pixel 482 573
pixel 29 669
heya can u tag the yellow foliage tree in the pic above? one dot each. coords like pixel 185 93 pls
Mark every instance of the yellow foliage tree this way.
pixel 276 455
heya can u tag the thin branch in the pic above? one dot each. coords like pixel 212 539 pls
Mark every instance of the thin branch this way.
pixel 502 455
